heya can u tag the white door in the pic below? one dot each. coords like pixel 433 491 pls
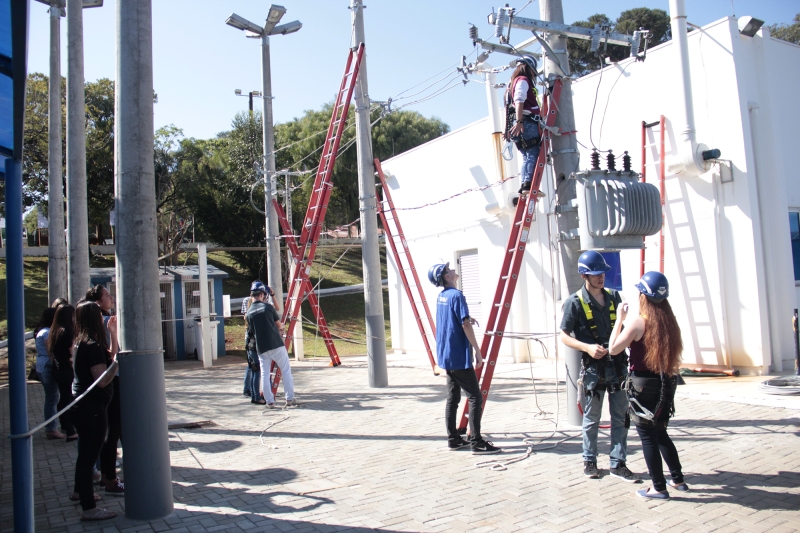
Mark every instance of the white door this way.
pixel 470 283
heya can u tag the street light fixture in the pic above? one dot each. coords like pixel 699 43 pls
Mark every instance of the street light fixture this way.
pixel 254 30
pixel 251 94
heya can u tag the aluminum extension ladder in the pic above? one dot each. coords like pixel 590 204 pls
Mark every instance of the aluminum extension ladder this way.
pixel 402 258
pixel 308 289
pixel 512 261
pixel 318 203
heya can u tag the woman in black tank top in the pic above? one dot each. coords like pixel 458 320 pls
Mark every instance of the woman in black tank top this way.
pixel 656 346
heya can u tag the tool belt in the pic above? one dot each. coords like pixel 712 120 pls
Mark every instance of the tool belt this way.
pixel 651 399
pixel 531 136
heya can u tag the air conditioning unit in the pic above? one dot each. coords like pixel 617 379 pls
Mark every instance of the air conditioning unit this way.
pixel 615 209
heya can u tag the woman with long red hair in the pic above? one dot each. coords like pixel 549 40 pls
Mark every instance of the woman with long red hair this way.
pixel 656 346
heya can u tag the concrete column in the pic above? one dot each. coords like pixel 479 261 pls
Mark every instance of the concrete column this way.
pixel 371 259
pixel 565 147
pixel 77 210
pixel 57 247
pixel 275 280
pixel 565 162
pixel 148 479
pixel 205 323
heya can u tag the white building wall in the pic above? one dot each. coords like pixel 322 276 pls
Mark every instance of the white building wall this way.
pixel 728 253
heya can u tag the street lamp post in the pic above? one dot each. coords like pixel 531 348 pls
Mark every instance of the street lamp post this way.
pixel 255 31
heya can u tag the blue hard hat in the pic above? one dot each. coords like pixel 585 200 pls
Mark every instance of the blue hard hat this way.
pixel 592 263
pixel 654 285
pixel 528 60
pixel 257 287
pixel 436 274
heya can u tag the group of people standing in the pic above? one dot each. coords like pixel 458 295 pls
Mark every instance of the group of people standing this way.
pixel 75 347
pixel 641 389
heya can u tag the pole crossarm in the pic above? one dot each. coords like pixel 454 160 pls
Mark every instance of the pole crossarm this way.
pixel 577 32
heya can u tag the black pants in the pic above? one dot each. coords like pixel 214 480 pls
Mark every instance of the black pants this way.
pixel 108 455
pixel 655 445
pixel 467 380
pixel 64 382
pixel 92 423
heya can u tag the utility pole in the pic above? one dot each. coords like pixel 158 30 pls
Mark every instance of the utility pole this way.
pixel 148 477
pixel 371 259
pixel 77 210
pixel 268 166
pixel 566 159
pixel 56 247
pixel 274 16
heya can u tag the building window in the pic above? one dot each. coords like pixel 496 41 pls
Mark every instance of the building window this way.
pixel 794 231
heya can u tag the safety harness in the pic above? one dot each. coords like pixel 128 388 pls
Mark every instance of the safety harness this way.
pixel 531 104
pixel 618 362
pixel 587 311
pixel 636 386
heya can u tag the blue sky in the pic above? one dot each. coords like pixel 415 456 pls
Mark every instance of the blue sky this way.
pixel 199 61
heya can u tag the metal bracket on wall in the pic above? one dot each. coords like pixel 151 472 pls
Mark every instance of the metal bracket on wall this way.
pixel 724 169
pixel 570 235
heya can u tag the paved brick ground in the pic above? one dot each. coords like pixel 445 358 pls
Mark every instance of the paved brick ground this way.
pixel 360 459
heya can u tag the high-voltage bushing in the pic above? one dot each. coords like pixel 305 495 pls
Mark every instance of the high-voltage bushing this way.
pixel 615 209
pixel 595 159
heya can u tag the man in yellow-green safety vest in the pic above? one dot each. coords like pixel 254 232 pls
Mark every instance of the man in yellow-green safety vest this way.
pixel 589 317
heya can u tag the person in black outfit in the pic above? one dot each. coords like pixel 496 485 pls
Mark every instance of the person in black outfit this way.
pixel 656 346
pixel 62 333
pixel 91 360
pixel 100 295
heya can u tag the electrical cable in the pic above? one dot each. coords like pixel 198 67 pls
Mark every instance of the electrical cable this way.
pixel 594 105
pixel 605 110
pixel 446 77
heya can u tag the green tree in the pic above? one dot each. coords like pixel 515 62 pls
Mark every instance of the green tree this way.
pixel 220 176
pixel 99 151
pixel 392 135
pixel 787 32
pixel 99 145
pixel 583 61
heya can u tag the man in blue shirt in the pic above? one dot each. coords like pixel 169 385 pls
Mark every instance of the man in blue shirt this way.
pixel 454 340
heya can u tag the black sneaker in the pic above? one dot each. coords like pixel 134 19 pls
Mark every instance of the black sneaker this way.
pixel 459 444
pixel 526 186
pixel 483 447
pixel 625 474
pixel 590 470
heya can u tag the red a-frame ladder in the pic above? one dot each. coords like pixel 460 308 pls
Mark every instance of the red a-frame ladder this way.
pixel 308 289
pixel 515 251
pixel 402 258
pixel 318 203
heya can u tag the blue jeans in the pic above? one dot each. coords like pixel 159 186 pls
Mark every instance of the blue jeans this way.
pixel 618 407
pixel 529 158
pixel 248 379
pixel 51 395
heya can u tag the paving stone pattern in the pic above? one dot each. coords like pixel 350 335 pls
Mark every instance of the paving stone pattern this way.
pixel 359 459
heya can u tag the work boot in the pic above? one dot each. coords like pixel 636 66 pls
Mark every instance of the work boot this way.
pixel 622 472
pixel 526 186
pixel 590 470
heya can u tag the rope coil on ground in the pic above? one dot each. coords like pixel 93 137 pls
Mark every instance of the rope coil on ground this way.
pixel 783 386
